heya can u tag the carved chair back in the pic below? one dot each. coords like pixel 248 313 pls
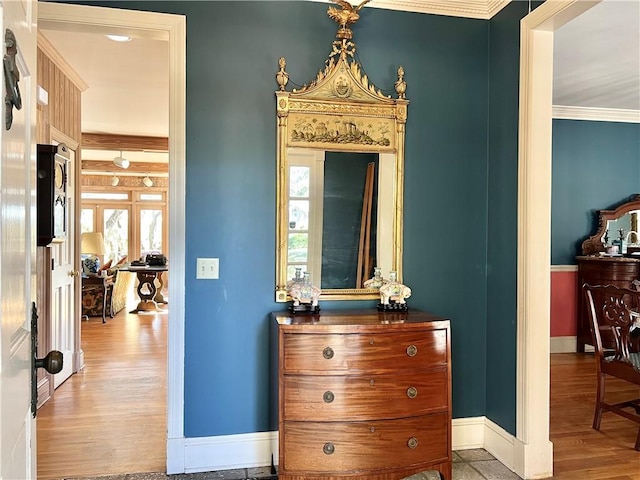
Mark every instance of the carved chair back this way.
pixel 615 327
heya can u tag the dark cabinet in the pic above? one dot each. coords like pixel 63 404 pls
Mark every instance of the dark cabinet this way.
pixel 619 271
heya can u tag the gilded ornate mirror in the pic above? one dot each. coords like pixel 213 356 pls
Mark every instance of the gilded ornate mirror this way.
pixel 340 159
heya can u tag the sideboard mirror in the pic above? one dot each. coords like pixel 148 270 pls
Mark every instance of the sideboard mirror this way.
pixel 340 175
pixel 621 221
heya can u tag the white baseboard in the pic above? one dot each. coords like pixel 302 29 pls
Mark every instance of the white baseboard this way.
pixel 227 452
pixel 467 433
pixel 563 344
pixel 206 454
pixel 499 443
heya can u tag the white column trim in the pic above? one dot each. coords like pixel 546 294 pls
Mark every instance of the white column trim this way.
pixel 533 452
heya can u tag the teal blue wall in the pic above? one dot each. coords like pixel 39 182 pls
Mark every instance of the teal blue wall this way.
pixel 502 187
pixel 596 166
pixel 460 190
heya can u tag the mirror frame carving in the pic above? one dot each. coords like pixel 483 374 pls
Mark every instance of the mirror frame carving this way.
pixel 594 244
pixel 339 93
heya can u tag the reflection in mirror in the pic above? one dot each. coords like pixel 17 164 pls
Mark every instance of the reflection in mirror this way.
pixel 627 224
pixel 340 216
pixel 616 227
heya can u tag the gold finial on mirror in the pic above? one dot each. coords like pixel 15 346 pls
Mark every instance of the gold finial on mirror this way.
pixel 401 85
pixel 345 17
pixel 282 77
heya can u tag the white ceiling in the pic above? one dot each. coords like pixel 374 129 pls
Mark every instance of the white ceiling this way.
pixel 597 58
pixel 596 64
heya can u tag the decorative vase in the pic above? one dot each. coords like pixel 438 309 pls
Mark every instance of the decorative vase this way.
pixel 90 264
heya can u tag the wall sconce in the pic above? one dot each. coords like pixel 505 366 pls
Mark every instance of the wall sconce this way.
pixel 147 182
pixel 121 161
pixel 115 180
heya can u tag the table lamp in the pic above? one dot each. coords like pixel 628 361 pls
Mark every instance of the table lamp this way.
pixel 91 247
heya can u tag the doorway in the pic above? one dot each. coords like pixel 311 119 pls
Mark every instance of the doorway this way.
pixel 172 29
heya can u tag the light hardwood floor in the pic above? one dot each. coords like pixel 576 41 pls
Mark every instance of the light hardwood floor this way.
pixel 110 418
pixel 581 453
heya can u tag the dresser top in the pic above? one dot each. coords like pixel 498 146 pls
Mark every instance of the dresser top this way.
pixel 373 318
pixel 607 258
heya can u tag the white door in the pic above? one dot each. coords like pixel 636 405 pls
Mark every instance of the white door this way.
pixel 17 246
pixel 62 292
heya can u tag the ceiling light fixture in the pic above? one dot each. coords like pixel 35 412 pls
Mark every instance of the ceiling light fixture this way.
pixel 119 38
pixel 121 161
pixel 115 180
pixel 147 182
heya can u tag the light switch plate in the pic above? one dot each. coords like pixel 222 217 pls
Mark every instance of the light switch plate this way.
pixel 207 268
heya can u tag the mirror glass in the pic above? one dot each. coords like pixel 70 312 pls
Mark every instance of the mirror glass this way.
pixel 612 224
pixel 340 216
pixel 626 225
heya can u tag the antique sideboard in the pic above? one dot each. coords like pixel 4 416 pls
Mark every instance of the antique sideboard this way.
pixel 598 270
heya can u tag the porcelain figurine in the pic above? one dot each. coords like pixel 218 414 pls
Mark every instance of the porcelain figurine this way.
pixel 304 295
pixel 393 295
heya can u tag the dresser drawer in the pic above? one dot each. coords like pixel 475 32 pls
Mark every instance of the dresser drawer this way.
pixel 352 446
pixel 331 398
pixel 379 352
pixel 600 272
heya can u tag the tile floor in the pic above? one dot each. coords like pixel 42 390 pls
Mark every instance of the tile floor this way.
pixel 475 464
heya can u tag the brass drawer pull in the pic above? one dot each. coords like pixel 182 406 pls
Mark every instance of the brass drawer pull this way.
pixel 328 448
pixel 412 350
pixel 328 396
pixel 328 353
pixel 413 442
pixel 412 392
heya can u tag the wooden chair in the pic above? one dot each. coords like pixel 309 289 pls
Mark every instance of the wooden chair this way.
pixel 613 312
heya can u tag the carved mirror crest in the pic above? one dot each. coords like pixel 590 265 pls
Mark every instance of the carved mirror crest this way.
pixel 340 179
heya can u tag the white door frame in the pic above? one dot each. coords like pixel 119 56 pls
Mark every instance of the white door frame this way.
pixel 533 452
pixel 173 29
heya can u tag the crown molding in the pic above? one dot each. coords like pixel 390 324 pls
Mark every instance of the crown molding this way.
pixel 596 114
pixel 54 55
pixel 482 9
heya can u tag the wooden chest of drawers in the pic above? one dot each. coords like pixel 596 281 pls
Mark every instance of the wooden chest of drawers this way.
pixel 361 394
